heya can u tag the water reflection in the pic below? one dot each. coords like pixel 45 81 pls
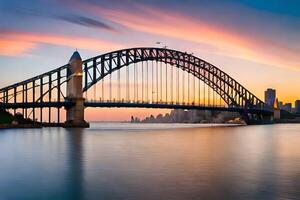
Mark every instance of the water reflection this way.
pixel 113 161
pixel 75 174
pixel 206 163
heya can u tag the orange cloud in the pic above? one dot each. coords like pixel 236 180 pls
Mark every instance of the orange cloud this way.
pixel 175 25
pixel 10 47
pixel 18 43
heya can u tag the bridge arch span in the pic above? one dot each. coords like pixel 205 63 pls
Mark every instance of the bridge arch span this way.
pixel 232 92
pixel 49 90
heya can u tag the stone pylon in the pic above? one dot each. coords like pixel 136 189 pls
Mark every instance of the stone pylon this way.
pixel 75 114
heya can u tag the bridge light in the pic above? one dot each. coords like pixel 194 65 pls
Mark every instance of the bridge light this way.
pixel 78 74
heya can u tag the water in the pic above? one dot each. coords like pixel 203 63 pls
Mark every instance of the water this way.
pixel 151 161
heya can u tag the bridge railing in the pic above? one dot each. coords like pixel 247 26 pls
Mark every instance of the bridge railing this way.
pixel 153 102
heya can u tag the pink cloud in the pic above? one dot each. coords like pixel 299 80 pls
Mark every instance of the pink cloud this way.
pixel 14 43
pixel 179 26
pixel 10 47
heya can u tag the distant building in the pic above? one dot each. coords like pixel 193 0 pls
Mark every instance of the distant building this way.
pixel 287 107
pixel 280 105
pixel 270 96
pixel 297 106
pixel 276 105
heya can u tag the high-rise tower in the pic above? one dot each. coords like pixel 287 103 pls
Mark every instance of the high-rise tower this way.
pixel 270 96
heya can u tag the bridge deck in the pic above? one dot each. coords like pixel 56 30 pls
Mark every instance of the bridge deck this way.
pixel 170 106
pixel 35 105
pixel 129 105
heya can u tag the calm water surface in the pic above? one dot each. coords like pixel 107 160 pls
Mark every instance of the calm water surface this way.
pixel 151 161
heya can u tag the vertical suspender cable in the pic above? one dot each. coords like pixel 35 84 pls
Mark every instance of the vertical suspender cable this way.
pixel 161 93
pixel 220 98
pixel 127 88
pixel 119 85
pixel 188 97
pixel 183 87
pixel 94 92
pixel 171 84
pixel 142 81
pixel 110 92
pixel 41 98
pixel 204 101
pixel 213 93
pixel 49 111
pixel 134 83
pixel 152 89
pixel 199 91
pixel 137 82
pixel 33 99
pixel 102 89
pixel 157 81
pixel 194 87
pixel 177 83
pixel 26 99
pixel 209 88
pixel 166 83
pixel 147 82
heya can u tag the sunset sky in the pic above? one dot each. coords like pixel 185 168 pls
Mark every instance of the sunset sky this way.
pixel 255 42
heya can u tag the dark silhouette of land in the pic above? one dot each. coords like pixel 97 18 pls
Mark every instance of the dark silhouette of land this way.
pixel 7 120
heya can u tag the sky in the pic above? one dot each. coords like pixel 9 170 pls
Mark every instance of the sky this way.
pixel 256 42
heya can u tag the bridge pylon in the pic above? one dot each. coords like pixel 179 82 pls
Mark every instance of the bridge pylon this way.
pixel 75 113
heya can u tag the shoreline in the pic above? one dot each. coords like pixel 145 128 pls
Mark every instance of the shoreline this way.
pixel 35 126
pixel 11 126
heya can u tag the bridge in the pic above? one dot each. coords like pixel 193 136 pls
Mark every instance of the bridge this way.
pixel 136 77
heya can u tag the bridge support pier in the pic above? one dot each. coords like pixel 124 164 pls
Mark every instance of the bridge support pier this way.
pixel 75 113
pixel 257 119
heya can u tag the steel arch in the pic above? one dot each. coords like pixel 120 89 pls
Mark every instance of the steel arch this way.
pixel 232 92
pixel 96 68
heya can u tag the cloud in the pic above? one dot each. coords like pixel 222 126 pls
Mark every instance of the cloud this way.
pixel 153 20
pixel 66 16
pixel 15 43
pixel 10 47
pixel 86 21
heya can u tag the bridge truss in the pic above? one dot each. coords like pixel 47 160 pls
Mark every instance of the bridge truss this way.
pixel 136 77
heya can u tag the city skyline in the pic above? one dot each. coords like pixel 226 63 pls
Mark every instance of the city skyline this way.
pixel 260 54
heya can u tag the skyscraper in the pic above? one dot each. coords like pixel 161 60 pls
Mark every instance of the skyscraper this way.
pixel 270 96
pixel 297 106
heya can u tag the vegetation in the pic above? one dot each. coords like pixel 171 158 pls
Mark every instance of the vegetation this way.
pixel 6 117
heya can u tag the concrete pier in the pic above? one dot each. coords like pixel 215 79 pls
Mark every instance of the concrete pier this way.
pixel 75 114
